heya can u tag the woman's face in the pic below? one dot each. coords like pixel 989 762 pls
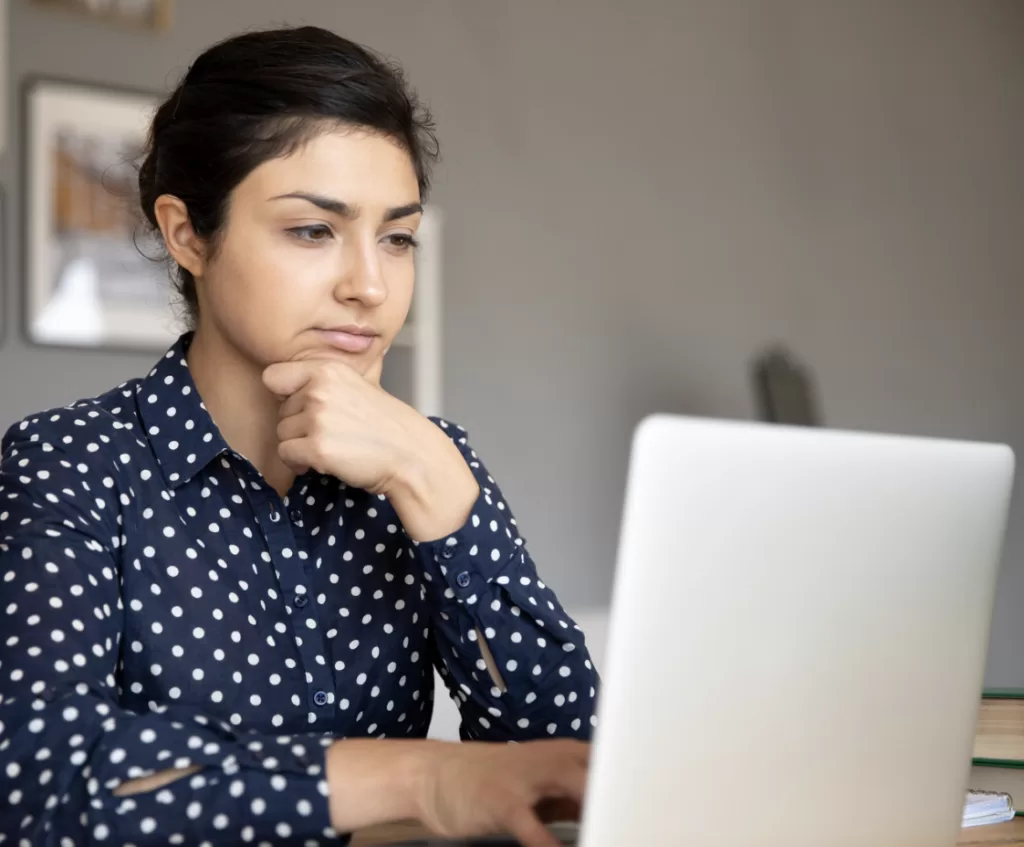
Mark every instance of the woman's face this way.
pixel 316 256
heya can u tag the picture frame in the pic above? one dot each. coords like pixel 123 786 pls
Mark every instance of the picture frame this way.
pixel 91 274
pixel 154 15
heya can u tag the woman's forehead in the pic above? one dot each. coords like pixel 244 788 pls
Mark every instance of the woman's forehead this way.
pixel 364 170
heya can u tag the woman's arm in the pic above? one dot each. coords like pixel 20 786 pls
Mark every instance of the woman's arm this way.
pixel 514 661
pixel 68 752
pixel 76 766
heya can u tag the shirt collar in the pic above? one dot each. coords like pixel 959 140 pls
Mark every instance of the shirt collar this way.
pixel 180 430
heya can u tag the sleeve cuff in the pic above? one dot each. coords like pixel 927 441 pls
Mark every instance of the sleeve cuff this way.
pixel 477 553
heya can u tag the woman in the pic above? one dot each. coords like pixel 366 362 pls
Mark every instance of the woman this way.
pixel 227 583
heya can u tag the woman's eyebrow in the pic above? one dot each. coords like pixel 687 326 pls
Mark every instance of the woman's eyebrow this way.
pixel 347 210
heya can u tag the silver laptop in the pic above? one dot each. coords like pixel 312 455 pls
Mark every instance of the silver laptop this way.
pixel 797 640
pixel 799 628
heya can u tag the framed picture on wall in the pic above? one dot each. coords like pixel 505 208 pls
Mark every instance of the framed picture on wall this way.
pixel 91 278
pixel 151 14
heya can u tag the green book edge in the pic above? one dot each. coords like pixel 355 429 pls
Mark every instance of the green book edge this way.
pixel 1001 763
pixel 1003 694
pixel 1013 764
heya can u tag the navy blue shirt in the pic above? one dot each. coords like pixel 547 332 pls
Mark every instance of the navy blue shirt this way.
pixel 161 607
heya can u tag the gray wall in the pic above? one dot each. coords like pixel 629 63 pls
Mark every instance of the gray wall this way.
pixel 640 194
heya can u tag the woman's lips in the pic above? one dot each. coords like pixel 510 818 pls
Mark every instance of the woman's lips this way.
pixel 347 340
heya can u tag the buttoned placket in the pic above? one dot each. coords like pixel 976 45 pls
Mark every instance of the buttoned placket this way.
pixel 284 537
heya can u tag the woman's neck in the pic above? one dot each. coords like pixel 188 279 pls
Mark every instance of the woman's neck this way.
pixel 245 412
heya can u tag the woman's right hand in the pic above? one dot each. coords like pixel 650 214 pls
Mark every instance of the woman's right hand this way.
pixel 457 790
pixel 488 788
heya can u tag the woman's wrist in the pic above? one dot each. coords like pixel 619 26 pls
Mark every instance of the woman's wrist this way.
pixel 375 781
pixel 434 492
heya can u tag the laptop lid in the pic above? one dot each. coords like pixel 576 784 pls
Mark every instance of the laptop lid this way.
pixel 797 638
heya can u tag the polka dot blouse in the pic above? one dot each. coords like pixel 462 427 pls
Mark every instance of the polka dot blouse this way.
pixel 162 607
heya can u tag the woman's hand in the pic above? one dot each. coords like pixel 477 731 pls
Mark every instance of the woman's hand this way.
pixel 344 424
pixel 458 790
pixel 481 789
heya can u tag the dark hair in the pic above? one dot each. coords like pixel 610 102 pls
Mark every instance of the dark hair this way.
pixel 259 96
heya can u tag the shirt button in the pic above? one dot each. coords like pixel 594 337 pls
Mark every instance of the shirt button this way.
pixel 463 579
pixel 448 552
pixel 295 515
pixel 300 601
pixel 320 698
pixel 275 515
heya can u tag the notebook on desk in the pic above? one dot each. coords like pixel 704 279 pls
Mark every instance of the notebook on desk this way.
pixel 987 807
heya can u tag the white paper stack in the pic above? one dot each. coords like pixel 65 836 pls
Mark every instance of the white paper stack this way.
pixel 984 807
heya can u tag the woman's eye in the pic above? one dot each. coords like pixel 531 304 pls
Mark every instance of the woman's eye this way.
pixel 318 232
pixel 402 242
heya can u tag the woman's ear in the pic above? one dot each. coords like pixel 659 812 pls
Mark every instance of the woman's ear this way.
pixel 185 247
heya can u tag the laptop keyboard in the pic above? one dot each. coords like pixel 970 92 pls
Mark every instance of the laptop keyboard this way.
pixel 567 835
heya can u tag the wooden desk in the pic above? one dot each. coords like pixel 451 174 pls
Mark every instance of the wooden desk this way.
pixel 1002 835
